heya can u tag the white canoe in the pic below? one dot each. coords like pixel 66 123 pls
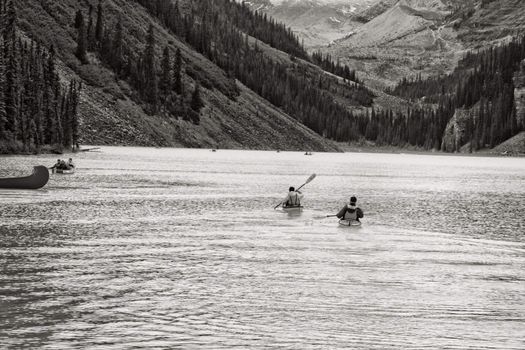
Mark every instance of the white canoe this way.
pixel 349 223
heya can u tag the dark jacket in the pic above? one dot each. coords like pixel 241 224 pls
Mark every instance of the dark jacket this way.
pixel 343 211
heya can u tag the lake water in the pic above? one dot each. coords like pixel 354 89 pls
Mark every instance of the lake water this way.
pixel 177 248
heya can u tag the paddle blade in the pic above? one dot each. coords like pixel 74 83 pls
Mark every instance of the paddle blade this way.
pixel 310 178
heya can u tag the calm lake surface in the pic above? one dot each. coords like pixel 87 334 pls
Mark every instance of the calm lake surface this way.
pixel 178 248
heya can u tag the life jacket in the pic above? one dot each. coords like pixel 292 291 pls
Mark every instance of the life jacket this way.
pixel 293 200
pixel 350 214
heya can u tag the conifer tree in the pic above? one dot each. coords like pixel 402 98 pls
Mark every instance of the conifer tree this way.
pixel 78 19
pixel 81 51
pixel 3 119
pixel 99 30
pixel 117 55
pixel 177 73
pixel 90 32
pixel 150 72
pixel 165 79
pixel 51 127
pixel 196 101
pixel 12 83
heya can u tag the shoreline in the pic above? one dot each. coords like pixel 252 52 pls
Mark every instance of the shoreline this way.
pixel 353 148
pixel 344 148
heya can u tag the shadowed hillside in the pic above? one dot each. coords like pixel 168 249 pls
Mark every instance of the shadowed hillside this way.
pixel 111 109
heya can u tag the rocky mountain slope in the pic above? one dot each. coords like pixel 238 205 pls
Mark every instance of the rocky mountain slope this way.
pixel 316 22
pixel 110 114
pixel 386 40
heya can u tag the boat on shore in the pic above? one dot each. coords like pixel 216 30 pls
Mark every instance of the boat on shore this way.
pixel 36 180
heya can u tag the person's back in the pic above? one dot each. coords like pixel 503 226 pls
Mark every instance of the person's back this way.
pixel 350 211
pixel 293 199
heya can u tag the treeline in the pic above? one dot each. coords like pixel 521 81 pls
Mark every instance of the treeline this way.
pixel 158 81
pixel 35 111
pixel 212 31
pixel 418 127
pixel 326 63
pixel 483 82
pixel 431 88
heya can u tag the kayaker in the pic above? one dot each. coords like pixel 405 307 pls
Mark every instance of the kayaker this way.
pixel 70 163
pixel 293 199
pixel 350 211
pixel 56 166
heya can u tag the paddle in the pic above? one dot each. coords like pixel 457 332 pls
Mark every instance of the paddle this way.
pixel 307 182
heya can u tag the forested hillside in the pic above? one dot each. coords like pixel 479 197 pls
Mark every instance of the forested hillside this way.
pixel 483 83
pixel 146 84
pixel 215 29
pixel 36 111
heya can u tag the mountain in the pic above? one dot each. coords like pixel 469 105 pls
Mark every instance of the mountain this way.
pixel 386 40
pixel 315 22
pixel 215 73
pixel 425 36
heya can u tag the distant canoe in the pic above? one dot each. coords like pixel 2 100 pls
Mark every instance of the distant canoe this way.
pixel 65 171
pixel 38 179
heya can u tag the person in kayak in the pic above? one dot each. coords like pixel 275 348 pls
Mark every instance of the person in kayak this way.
pixel 56 166
pixel 70 164
pixel 293 199
pixel 350 211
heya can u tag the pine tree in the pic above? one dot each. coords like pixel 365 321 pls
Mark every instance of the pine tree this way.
pixel 177 73
pixel 78 19
pixel 3 119
pixel 99 30
pixel 196 101
pixel 90 33
pixel 12 74
pixel 150 72
pixel 75 99
pixel 165 80
pixel 117 56
pixel 81 51
pixel 51 91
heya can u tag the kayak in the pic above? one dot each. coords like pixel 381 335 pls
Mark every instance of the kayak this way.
pixel 296 209
pixel 37 179
pixel 349 223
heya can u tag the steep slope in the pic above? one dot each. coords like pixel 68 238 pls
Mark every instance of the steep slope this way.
pixel 233 116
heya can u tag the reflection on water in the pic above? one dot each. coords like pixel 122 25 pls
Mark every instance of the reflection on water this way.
pixel 148 248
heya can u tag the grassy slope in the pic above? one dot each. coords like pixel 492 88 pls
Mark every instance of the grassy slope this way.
pixel 109 115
